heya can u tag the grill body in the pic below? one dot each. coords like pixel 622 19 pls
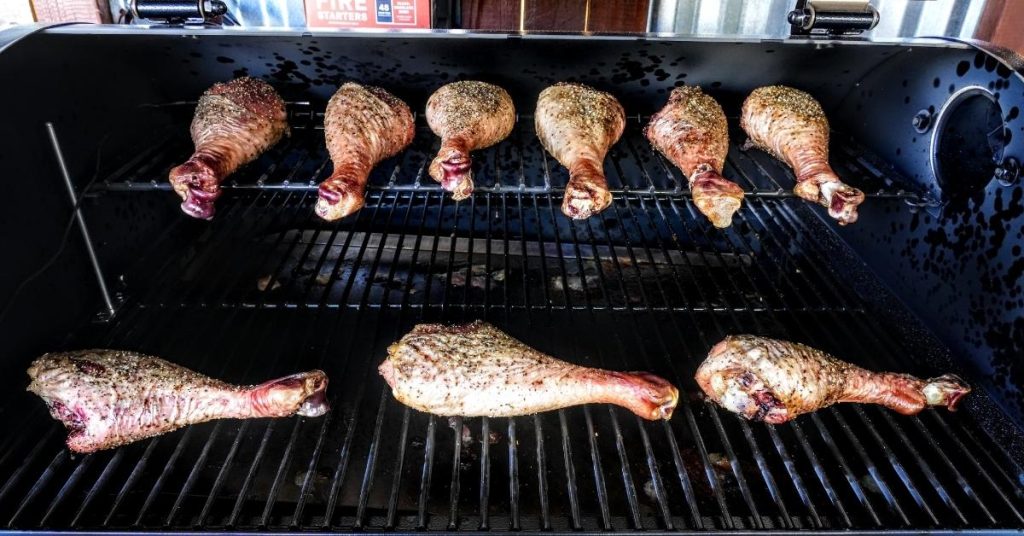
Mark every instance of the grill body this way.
pixel 923 283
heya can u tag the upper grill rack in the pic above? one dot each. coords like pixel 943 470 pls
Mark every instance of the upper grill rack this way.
pixel 517 164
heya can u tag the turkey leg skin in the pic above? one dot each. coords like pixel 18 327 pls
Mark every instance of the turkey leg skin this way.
pixel 774 381
pixel 467 116
pixel 477 370
pixel 692 133
pixel 108 398
pixel 577 124
pixel 234 123
pixel 363 125
pixel 791 126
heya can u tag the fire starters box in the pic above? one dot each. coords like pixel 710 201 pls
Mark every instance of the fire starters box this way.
pixel 368 13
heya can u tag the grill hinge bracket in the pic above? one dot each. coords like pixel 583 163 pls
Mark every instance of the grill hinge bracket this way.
pixel 181 13
pixel 832 18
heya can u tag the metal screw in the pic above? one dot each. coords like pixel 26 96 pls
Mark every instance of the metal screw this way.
pixel 1008 173
pixel 801 18
pixel 922 121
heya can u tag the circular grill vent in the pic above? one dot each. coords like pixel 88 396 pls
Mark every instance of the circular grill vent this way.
pixel 968 142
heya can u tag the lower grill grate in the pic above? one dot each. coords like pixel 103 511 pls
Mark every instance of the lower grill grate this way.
pixel 266 289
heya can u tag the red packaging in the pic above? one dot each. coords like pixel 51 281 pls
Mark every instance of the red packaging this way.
pixel 368 13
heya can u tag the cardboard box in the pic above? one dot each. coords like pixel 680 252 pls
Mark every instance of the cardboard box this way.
pixel 96 11
pixel 368 13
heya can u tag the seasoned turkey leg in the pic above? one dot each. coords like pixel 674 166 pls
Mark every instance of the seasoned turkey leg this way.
pixel 692 133
pixel 363 125
pixel 467 116
pixel 774 381
pixel 108 398
pixel 476 370
pixel 791 126
pixel 577 124
pixel 235 122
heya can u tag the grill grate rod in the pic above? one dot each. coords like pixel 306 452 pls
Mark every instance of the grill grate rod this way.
pixel 483 494
pixel 485 473
pixel 427 469
pixel 454 489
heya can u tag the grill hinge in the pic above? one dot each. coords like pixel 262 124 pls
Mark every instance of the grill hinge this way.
pixel 832 18
pixel 180 12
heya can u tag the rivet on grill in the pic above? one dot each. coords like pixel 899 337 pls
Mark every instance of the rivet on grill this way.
pixel 922 121
pixel 1008 173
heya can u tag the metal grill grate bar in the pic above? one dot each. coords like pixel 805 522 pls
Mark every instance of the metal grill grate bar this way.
pixel 595 460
